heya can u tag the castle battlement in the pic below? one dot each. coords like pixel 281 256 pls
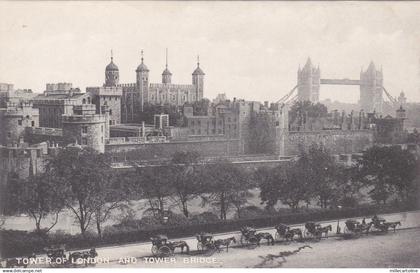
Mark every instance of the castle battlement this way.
pixel 171 86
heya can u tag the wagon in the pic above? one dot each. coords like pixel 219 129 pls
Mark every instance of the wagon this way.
pixel 160 246
pixel 56 254
pixel 248 237
pixel 312 230
pixel 205 244
pixel 354 228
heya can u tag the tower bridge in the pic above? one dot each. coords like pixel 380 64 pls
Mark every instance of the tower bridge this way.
pixel 370 83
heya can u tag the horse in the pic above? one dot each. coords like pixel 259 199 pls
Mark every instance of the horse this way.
pixel 325 230
pixel 15 262
pixel 181 245
pixel 224 242
pixel 85 256
pixel 265 235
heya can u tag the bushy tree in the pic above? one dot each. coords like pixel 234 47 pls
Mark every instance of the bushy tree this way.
pixel 288 184
pixel 36 196
pixel 315 110
pixel 185 180
pixel 388 170
pixel 261 130
pixel 154 184
pixel 82 174
pixel 224 183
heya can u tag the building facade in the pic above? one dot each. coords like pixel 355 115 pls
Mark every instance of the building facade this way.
pixel 56 101
pixel 135 95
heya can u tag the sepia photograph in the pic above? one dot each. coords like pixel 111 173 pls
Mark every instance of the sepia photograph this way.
pixel 209 134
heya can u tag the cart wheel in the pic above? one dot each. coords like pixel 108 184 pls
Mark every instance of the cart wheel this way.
pixel 199 246
pixel 165 251
pixel 155 250
pixel 252 243
pixel 209 249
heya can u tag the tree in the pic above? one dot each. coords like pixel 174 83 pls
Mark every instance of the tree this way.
pixel 149 110
pixel 38 197
pixel 316 110
pixel 223 183
pixel 201 108
pixel 112 195
pixel 154 184
pixel 388 170
pixel 81 172
pixel 323 173
pixel 185 179
pixel 261 130
pixel 288 184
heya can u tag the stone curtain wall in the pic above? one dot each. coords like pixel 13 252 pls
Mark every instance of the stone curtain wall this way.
pixel 337 141
pixel 144 151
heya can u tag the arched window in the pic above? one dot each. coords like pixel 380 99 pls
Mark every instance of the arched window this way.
pixel 88 100
pixel 84 101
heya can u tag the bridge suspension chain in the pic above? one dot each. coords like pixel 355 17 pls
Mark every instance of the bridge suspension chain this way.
pixel 391 98
pixel 285 98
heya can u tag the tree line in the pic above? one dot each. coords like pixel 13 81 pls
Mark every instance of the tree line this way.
pixel 81 181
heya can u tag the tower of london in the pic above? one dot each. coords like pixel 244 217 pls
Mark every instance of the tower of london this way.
pixel 135 95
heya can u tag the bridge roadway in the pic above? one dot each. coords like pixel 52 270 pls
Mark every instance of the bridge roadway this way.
pixel 340 81
pixel 142 251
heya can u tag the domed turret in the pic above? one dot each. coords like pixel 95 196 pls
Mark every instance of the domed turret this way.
pixel 198 70
pixel 142 67
pixel 142 81
pixel 112 74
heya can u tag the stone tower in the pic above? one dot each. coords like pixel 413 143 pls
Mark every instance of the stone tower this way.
pixel 198 81
pixel 85 127
pixel 112 74
pixel 166 74
pixel 371 90
pixel 13 121
pixel 142 81
pixel 308 82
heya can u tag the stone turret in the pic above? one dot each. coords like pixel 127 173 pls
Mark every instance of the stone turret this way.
pixel 85 127
pixel 371 89
pixel 198 81
pixel 309 81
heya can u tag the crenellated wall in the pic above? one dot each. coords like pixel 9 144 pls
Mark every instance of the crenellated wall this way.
pixel 337 141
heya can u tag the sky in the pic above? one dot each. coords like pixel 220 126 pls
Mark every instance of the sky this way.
pixel 249 50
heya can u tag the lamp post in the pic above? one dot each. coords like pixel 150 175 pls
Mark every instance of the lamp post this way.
pixel 338 221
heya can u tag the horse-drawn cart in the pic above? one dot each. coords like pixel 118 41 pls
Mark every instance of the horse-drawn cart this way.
pixel 354 228
pixel 162 247
pixel 205 244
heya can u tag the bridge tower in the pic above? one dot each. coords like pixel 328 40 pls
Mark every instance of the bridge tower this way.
pixel 309 82
pixel 371 89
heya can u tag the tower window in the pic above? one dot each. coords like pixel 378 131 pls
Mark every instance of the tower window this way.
pixel 32 123
pixel 84 130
